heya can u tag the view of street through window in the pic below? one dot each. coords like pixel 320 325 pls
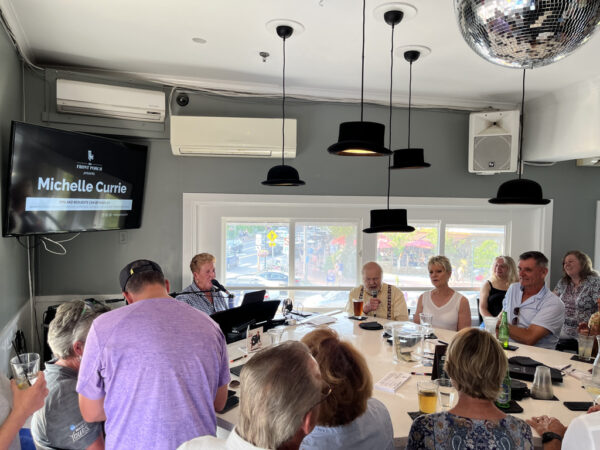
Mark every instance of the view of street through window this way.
pixel 289 258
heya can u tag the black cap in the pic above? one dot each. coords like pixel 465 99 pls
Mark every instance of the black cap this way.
pixel 283 175
pixel 520 191
pixel 137 266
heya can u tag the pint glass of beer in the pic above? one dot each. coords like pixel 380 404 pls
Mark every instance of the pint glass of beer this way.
pixel 428 394
pixel 358 307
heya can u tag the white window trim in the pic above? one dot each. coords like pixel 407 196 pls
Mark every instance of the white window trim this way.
pixel 529 227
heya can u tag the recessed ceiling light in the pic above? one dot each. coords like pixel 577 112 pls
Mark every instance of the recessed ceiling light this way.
pixel 273 24
pixel 199 40
pixel 424 51
pixel 408 10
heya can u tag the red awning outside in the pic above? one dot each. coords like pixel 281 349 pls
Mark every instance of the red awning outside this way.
pixel 420 243
pixel 339 240
pixel 384 242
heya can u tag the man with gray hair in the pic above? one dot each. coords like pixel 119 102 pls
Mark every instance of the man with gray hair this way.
pixel 59 423
pixel 281 390
pixel 535 314
pixel 156 370
pixel 379 299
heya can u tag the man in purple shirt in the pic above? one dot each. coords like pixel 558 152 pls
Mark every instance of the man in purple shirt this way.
pixel 155 370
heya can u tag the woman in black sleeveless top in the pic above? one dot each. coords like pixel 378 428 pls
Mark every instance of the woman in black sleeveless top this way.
pixel 491 294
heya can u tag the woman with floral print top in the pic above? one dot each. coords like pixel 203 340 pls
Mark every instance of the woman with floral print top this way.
pixel 579 290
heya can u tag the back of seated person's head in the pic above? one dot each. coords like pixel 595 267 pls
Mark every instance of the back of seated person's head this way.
pixel 476 363
pixel 72 324
pixel 139 274
pixel 278 387
pixel 346 371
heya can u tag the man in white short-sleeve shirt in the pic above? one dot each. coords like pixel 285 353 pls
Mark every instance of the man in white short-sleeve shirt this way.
pixel 535 314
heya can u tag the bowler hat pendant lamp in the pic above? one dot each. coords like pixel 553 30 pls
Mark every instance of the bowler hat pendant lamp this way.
pixel 283 175
pixel 520 191
pixel 410 158
pixel 390 220
pixel 360 138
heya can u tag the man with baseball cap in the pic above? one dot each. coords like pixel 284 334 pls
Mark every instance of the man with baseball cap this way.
pixel 155 370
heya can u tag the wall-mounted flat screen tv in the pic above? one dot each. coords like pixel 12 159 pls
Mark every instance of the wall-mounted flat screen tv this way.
pixel 60 182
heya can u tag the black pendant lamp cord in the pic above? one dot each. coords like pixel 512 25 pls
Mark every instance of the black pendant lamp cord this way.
pixel 283 111
pixel 521 122
pixel 362 73
pixel 409 100
pixel 390 125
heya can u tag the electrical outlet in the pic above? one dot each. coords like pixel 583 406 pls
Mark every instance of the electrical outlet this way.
pixel 122 237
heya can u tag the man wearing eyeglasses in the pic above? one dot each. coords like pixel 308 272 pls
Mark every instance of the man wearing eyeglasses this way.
pixel 380 299
pixel 535 314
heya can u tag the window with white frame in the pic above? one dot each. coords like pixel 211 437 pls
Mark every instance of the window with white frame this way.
pixel 292 256
pixel 311 248
pixel 470 248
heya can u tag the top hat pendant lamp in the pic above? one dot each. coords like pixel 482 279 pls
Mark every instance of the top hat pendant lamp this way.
pixel 390 220
pixel 360 138
pixel 283 175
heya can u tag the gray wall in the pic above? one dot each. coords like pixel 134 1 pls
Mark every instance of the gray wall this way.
pixel 13 257
pixel 93 261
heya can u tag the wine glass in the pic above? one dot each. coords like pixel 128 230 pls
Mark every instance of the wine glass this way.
pixel 592 387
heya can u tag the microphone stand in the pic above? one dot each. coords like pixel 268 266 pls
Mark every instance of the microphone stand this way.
pixel 175 294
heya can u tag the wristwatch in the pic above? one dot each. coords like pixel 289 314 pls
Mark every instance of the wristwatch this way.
pixel 549 436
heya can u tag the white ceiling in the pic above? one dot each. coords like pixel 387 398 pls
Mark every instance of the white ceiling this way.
pixel 153 39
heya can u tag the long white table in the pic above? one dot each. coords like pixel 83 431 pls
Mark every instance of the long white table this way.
pixel 378 354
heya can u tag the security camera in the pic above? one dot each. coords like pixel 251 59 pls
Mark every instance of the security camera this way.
pixel 182 99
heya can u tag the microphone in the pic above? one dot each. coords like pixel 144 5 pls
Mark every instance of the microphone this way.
pixel 221 288
pixel 374 295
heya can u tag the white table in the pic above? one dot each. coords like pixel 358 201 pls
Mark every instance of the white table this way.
pixel 378 354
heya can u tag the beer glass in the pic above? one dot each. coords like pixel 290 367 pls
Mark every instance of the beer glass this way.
pixel 428 393
pixel 358 307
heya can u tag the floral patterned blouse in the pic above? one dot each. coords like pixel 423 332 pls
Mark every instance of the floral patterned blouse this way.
pixel 580 303
pixel 444 430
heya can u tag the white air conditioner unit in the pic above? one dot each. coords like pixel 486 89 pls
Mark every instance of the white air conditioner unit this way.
pixel 231 137
pixel 493 142
pixel 104 100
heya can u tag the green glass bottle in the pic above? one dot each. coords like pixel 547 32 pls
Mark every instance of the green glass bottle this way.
pixel 503 330
pixel 503 400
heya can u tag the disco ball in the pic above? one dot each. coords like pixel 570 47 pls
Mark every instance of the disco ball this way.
pixel 526 33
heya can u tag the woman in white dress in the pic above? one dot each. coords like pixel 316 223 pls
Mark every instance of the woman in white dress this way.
pixel 449 309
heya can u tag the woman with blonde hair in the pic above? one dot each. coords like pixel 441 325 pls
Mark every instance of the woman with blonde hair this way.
pixel 349 418
pixel 449 309
pixel 492 292
pixel 202 294
pixel 476 364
